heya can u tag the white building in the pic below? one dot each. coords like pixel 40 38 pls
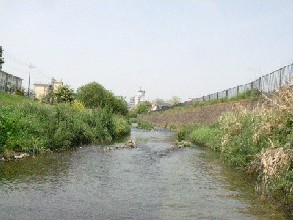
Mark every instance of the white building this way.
pixel 42 89
pixel 9 83
pixel 138 98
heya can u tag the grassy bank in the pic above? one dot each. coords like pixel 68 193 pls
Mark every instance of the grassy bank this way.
pixel 259 141
pixel 200 113
pixel 142 124
pixel 32 127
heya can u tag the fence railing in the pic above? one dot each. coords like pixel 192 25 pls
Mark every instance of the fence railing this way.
pixel 268 83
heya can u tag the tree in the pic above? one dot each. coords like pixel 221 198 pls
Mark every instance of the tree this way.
pixel 64 94
pixel 94 95
pixel 48 98
pixel 175 100
pixel 159 101
pixel 143 107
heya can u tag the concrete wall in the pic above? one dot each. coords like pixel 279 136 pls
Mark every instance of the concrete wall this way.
pixel 9 82
pixel 41 90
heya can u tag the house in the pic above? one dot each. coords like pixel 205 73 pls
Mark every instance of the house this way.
pixel 42 89
pixel 160 106
pixel 9 83
pixel 138 98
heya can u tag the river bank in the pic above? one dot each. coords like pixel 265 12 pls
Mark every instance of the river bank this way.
pixel 155 180
pixel 256 140
pixel 31 127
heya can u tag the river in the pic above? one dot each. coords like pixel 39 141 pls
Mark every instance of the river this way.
pixel 148 182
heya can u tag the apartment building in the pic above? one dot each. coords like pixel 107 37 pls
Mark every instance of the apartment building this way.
pixel 42 89
pixel 9 83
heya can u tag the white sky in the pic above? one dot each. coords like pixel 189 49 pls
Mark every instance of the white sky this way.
pixel 184 48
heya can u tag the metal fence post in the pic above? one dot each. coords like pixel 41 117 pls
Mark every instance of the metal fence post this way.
pixel 259 84
pixel 280 80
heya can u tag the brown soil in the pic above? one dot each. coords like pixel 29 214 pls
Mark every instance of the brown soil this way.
pixel 194 115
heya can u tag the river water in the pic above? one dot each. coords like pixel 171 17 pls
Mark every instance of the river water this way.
pixel 152 181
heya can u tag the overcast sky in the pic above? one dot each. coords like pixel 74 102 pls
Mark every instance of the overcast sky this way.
pixel 184 48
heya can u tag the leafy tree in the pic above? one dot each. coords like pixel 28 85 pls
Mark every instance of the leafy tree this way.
pixel 49 98
pixel 94 95
pixel 159 101
pixel 143 107
pixel 174 100
pixel 64 94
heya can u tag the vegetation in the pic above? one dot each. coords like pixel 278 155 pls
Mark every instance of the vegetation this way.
pixel 33 127
pixel 141 108
pixel 145 125
pixel 250 94
pixel 174 100
pixel 94 95
pixel 259 141
pixel 64 94
pixel 141 124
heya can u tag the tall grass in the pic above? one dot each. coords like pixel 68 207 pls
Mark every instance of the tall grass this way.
pixel 260 140
pixel 250 94
pixel 33 127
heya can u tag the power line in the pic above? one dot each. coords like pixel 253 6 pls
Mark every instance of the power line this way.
pixel 13 59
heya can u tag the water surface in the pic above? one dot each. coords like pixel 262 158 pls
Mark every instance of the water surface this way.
pixel 149 182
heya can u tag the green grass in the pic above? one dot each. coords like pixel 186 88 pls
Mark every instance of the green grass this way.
pixel 7 99
pixel 243 137
pixel 29 126
pixel 250 94
pixel 145 125
pixel 141 124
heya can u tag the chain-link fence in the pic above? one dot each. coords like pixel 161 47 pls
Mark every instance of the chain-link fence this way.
pixel 268 83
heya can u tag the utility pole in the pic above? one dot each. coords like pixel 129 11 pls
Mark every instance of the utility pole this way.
pixel 1 58
pixel 29 79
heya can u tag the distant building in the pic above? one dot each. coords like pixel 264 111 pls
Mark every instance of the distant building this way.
pixel 41 89
pixel 160 106
pixel 138 98
pixel 9 83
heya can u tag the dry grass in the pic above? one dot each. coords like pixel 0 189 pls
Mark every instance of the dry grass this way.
pixel 262 140
pixel 194 115
pixel 273 162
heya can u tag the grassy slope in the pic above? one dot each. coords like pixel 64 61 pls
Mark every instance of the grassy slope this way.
pixel 29 126
pixel 199 114
pixel 256 139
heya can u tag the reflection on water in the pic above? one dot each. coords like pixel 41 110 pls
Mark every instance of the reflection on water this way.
pixel 141 183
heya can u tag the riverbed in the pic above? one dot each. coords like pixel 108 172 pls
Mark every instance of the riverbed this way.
pixel 153 181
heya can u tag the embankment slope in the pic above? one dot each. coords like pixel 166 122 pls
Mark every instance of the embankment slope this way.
pixel 203 115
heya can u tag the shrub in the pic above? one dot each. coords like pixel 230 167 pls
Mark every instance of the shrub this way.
pixel 206 136
pixel 34 127
pixel 260 140
pixel 121 127
pixel 94 95
pixel 145 125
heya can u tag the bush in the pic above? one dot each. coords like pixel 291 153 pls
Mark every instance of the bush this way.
pixel 94 95
pixel 121 127
pixel 260 140
pixel 206 136
pixel 34 127
pixel 145 125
